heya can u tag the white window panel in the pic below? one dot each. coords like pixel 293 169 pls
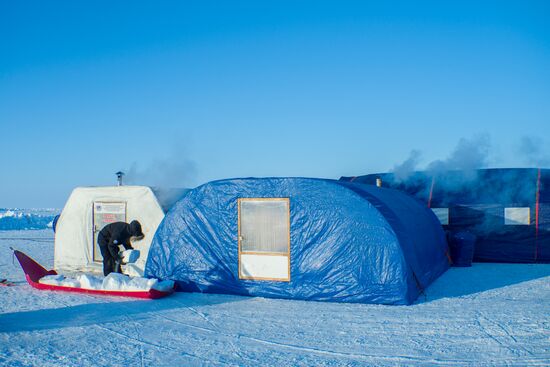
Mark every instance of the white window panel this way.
pixel 517 216
pixel 442 214
pixel 264 225
pixel 264 238
pixel 272 267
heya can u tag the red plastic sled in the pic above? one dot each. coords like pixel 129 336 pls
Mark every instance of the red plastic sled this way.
pixel 34 271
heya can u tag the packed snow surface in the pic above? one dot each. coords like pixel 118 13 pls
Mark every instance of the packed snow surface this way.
pixel 486 315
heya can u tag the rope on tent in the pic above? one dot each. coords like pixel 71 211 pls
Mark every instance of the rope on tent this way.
pixel 537 204
pixel 448 254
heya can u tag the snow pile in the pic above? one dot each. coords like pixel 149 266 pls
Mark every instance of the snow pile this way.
pixel 112 282
pixel 60 280
pixel 120 282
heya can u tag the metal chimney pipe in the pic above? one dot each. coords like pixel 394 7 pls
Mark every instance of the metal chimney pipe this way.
pixel 119 175
pixel 378 182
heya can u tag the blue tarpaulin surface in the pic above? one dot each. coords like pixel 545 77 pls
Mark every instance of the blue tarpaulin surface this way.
pixel 348 242
pixel 461 245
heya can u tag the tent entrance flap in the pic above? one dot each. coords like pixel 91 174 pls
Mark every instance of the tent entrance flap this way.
pixel 264 238
pixel 104 213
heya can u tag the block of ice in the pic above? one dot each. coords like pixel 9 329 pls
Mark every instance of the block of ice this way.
pixel 89 281
pixel 164 286
pixel 70 282
pixel 59 280
pixel 140 284
pixel 120 282
pixel 130 256
pixel 52 279
pixel 115 282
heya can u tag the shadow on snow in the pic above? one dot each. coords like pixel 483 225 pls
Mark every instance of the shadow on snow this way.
pixel 103 313
pixel 481 277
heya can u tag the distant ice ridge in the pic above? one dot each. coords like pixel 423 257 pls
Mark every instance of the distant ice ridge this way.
pixel 22 219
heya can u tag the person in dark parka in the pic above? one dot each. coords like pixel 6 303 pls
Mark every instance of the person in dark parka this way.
pixel 111 237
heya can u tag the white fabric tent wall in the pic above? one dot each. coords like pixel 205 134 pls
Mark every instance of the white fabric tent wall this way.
pixel 74 232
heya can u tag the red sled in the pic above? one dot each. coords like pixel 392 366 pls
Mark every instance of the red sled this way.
pixel 34 271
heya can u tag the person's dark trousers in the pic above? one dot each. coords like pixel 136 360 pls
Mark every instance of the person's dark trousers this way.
pixel 109 261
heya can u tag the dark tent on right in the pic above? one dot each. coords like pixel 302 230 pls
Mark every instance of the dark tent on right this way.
pixel 508 210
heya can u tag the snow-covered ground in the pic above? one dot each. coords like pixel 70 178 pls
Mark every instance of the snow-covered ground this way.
pixel 490 314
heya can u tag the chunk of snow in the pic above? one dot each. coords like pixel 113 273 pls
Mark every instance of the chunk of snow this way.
pixel 121 282
pixel 138 283
pixel 114 281
pixel 130 256
pixel 164 285
pixel 89 281
pixel 60 280
pixel 52 279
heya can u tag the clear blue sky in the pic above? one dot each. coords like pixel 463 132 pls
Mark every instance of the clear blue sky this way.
pixel 260 88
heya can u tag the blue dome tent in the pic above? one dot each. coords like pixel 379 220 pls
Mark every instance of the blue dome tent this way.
pixel 300 238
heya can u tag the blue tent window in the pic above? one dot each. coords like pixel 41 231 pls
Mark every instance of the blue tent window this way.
pixel 264 238
pixel 442 214
pixel 517 216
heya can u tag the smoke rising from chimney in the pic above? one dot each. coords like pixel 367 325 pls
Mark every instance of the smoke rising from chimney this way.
pixel 174 171
pixel 403 170
pixel 458 175
pixel 468 155
pixel 531 150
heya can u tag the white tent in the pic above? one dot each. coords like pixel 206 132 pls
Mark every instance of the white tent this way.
pixel 88 210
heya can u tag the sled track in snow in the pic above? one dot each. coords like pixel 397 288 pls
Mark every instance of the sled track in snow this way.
pixel 359 357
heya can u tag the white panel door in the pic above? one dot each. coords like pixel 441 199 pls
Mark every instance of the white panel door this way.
pixel 264 238
pixel 103 214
